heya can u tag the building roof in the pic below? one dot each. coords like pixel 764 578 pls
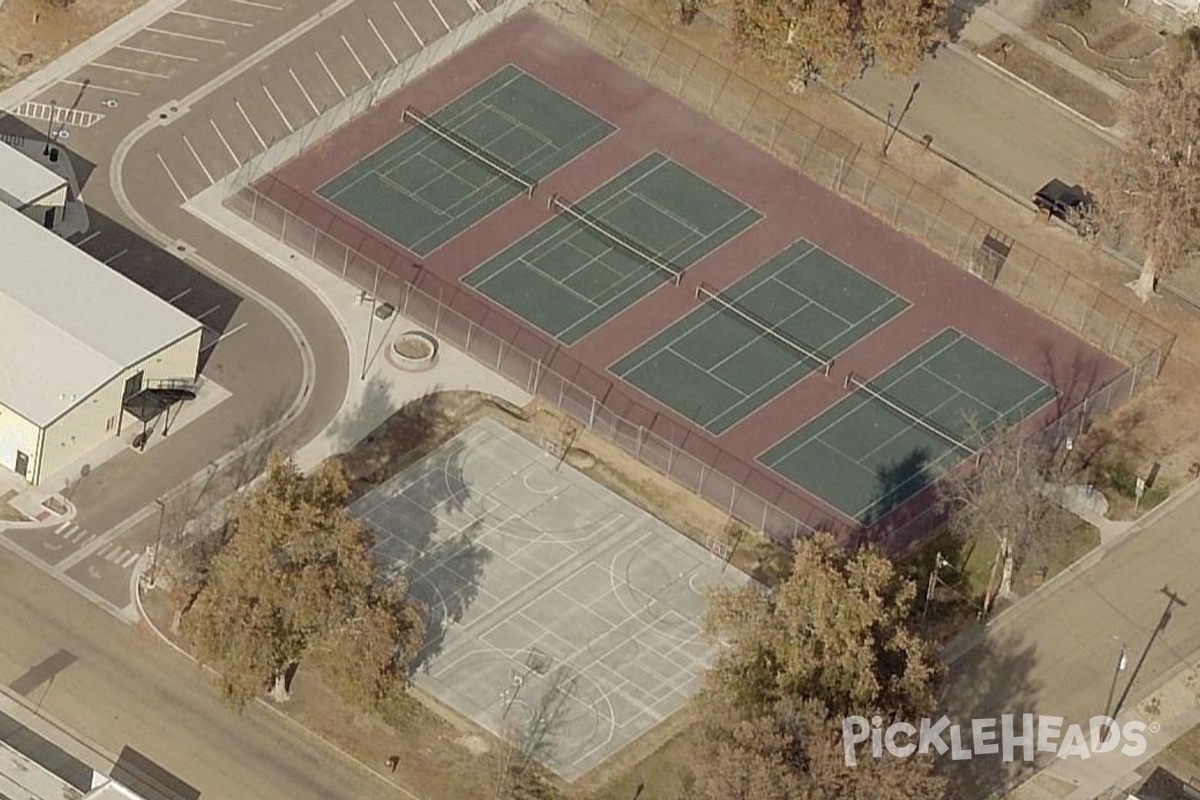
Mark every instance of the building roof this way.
pixel 68 323
pixel 24 180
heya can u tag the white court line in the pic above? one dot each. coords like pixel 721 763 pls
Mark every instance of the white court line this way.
pixel 221 136
pixel 194 15
pixel 196 156
pixel 278 110
pixel 304 92
pixel 87 238
pixel 223 336
pixel 180 296
pixel 438 11
pixel 411 29
pixel 178 188
pixel 185 36
pixel 253 129
pixel 127 69
pixel 114 257
pixel 356 58
pixel 391 55
pixel 267 6
pixel 100 88
pixel 155 53
pixel 324 66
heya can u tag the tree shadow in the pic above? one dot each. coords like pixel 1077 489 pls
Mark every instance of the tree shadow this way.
pixel 399 440
pixel 372 411
pixel 959 14
pixel 531 736
pixel 989 681
pixel 897 482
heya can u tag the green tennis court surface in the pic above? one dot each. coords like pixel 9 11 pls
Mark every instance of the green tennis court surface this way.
pixel 716 367
pixel 865 458
pixel 422 190
pixel 568 279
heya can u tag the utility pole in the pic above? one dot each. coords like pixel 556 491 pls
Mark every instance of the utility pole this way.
pixel 162 513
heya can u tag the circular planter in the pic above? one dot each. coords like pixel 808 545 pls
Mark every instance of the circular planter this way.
pixel 413 351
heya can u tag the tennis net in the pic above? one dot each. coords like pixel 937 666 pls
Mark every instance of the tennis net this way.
pixel 771 331
pixel 595 226
pixel 411 115
pixel 902 410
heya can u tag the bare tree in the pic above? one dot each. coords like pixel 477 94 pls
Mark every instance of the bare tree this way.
pixel 1010 498
pixel 838 39
pixel 1149 188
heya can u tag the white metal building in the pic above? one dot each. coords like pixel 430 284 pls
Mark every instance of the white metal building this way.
pixel 77 341
pixel 31 188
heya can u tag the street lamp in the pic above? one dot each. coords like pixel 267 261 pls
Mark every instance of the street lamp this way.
pixel 1122 662
pixel 162 513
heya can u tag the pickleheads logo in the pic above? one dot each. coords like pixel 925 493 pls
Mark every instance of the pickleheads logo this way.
pixel 985 737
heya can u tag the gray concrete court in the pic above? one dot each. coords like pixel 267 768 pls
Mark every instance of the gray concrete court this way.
pixel 559 611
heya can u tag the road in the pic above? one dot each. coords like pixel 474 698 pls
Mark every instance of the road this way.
pixel 172 104
pixel 979 118
pixel 125 689
pixel 1056 652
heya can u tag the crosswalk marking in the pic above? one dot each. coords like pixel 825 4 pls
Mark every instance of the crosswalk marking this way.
pixel 62 527
pixel 121 557
pixel 60 114
pixel 131 560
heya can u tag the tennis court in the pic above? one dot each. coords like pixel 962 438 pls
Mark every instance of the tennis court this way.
pixel 900 431
pixel 596 258
pixel 747 344
pixel 453 168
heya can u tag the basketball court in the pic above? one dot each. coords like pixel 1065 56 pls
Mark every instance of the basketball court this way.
pixel 745 345
pixel 641 229
pixel 558 611
pixel 453 168
pixel 893 435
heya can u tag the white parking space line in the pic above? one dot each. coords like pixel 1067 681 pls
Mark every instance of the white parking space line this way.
pixel 304 92
pixel 357 60
pixel 267 6
pixel 411 29
pixel 87 238
pixel 180 296
pixel 278 110
pixel 178 188
pixel 196 156
pixel 99 88
pixel 325 66
pixel 127 69
pixel 383 42
pixel 253 129
pixel 221 136
pixel 185 36
pixel 200 317
pixel 156 53
pixel 115 256
pixel 438 11
pixel 224 336
pixel 207 18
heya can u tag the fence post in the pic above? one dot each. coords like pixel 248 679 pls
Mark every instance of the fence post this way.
pixel 1133 380
pixel 638 447
pixel 499 350
pixel 592 414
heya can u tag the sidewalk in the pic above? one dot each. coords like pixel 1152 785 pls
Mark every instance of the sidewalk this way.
pixel 383 389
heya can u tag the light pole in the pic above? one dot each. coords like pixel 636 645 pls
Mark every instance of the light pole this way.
pixel 162 513
pixel 50 127
pixel 1122 662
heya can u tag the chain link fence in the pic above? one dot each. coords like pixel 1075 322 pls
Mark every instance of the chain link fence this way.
pixel 747 492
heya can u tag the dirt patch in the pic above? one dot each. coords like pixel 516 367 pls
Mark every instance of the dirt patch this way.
pixel 35 32
pixel 1073 92
pixel 1108 39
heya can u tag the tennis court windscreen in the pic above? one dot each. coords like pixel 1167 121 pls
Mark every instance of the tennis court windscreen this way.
pixel 771 331
pixel 919 420
pixel 411 115
pixel 603 231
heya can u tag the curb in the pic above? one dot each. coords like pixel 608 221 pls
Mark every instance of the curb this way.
pixel 136 584
pixel 1047 96
pixel 976 635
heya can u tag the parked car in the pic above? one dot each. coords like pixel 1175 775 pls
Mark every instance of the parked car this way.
pixel 1070 204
